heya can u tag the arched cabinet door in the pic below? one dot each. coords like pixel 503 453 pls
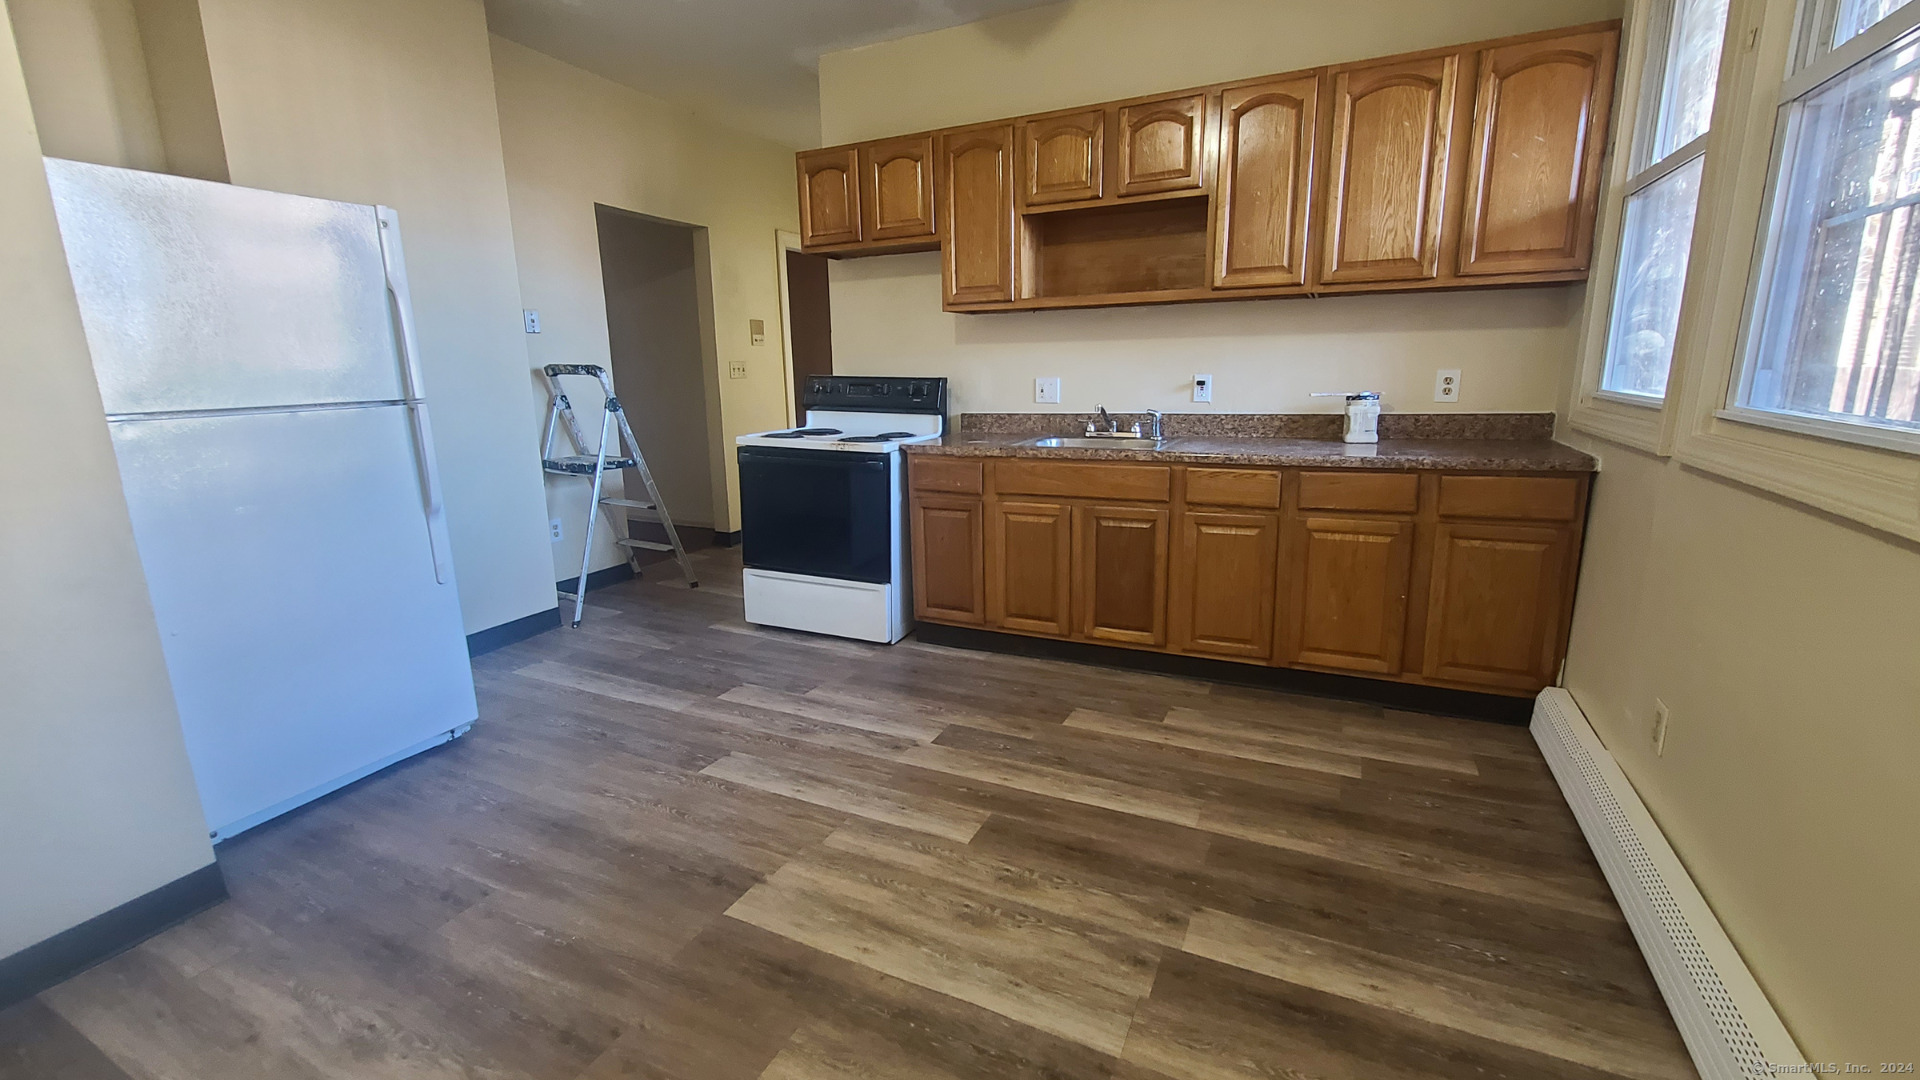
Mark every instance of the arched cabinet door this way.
pixel 977 201
pixel 896 177
pixel 829 198
pixel 1064 157
pixel 1539 134
pixel 1264 192
pixel 1387 180
pixel 1160 145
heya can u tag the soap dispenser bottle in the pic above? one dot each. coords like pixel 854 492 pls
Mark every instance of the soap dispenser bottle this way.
pixel 1363 415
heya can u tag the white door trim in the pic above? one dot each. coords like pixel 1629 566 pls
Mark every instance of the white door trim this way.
pixel 784 242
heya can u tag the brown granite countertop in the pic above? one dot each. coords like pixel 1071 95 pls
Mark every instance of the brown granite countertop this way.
pixel 1463 455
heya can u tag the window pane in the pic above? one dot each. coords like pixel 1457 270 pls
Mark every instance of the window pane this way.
pixel 1837 336
pixel 1653 271
pixel 1693 69
pixel 1857 15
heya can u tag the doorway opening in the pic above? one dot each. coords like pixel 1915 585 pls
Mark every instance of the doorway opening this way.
pixel 650 270
pixel 809 319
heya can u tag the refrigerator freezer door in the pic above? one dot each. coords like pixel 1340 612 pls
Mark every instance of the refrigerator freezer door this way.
pixel 288 560
pixel 202 296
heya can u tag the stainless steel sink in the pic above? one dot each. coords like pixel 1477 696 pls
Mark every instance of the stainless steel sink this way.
pixel 1081 443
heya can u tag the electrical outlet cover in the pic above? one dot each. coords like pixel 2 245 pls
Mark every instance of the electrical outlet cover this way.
pixel 1046 391
pixel 532 319
pixel 554 527
pixel 1446 384
pixel 1203 388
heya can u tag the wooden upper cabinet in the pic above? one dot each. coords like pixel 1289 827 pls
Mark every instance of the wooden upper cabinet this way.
pixel 1387 169
pixel 896 188
pixel 829 197
pixel 1030 567
pixel 1267 136
pixel 1161 145
pixel 949 582
pixel 1063 157
pixel 1223 583
pixel 1349 593
pixel 1539 134
pixel 977 202
pixel 1496 612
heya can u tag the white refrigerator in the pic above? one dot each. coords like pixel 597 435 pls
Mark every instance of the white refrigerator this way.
pixel 256 359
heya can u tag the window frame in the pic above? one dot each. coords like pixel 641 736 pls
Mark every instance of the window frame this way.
pixel 1815 63
pixel 1870 485
pixel 1639 420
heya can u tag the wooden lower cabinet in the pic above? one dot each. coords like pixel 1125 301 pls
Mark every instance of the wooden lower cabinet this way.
pixel 1222 596
pixel 1451 579
pixel 1497 606
pixel 1122 571
pixel 1348 596
pixel 1030 567
pixel 949 575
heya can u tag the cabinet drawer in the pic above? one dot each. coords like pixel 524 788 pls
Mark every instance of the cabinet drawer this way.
pixel 956 477
pixel 1382 492
pixel 1138 483
pixel 1524 498
pixel 1234 487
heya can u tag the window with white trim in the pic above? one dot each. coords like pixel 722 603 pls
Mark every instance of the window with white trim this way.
pixel 1662 195
pixel 1833 337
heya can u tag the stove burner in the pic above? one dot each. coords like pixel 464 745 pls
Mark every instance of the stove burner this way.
pixel 886 436
pixel 801 433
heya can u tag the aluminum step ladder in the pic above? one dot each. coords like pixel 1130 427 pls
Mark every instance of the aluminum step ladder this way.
pixel 625 455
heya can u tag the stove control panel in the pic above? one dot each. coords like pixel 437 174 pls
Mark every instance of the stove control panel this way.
pixel 875 393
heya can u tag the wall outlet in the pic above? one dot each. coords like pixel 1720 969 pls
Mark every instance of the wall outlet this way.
pixel 1046 391
pixel 532 319
pixel 736 369
pixel 553 527
pixel 1662 716
pixel 1203 388
pixel 1446 384
pixel 757 331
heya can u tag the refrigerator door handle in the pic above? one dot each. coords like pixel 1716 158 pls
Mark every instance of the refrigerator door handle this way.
pixel 401 302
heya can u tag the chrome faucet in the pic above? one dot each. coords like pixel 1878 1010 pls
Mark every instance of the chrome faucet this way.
pixel 1107 423
pixel 1153 430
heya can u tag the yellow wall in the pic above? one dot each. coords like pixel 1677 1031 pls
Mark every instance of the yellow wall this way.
pixel 574 139
pixel 97 801
pixel 1264 355
pixel 88 81
pixel 1787 645
pixel 391 101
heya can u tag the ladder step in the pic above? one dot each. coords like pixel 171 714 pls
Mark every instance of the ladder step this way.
pixel 582 466
pixel 569 596
pixel 644 545
pixel 634 504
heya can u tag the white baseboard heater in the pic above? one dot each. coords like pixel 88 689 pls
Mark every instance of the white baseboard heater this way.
pixel 1730 1027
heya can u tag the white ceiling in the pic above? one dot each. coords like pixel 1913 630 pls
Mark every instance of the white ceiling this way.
pixel 750 64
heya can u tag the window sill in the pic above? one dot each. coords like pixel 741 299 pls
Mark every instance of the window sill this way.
pixel 1900 442
pixel 1621 418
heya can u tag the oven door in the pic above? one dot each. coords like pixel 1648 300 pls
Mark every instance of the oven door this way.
pixel 824 513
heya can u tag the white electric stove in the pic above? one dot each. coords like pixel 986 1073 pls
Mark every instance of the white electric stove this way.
pixel 823 507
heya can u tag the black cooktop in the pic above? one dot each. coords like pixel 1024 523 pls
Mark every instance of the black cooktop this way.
pixel 885 436
pixel 801 433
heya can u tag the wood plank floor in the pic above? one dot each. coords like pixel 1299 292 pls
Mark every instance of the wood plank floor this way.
pixel 679 846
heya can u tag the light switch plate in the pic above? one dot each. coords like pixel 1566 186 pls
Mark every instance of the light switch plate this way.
pixel 532 319
pixel 1046 391
pixel 1446 385
pixel 736 369
pixel 1203 388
